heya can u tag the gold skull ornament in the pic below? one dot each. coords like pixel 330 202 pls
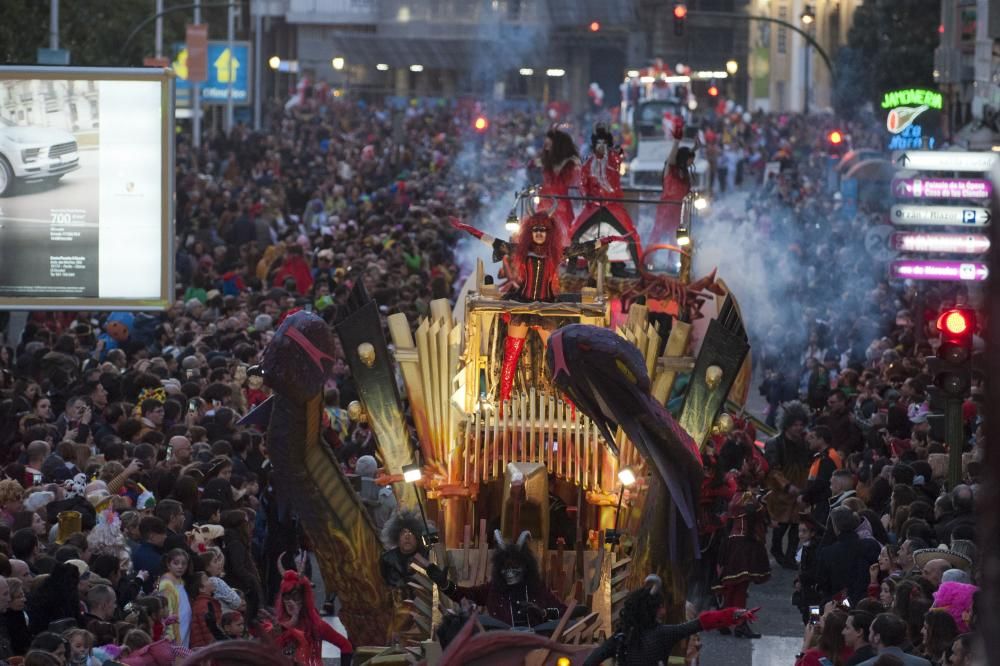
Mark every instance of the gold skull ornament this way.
pixel 723 424
pixel 713 377
pixel 355 411
pixel 366 352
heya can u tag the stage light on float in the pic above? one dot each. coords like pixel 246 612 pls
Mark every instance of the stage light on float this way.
pixel 700 202
pixel 683 237
pixel 626 476
pixel 412 473
pixel 512 224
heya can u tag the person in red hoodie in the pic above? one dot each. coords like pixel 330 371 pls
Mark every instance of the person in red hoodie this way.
pixel 205 612
pixel 296 267
pixel 676 186
pixel 299 631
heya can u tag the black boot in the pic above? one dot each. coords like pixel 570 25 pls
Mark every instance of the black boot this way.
pixel 744 631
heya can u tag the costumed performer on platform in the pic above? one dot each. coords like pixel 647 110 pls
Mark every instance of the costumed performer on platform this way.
pixel 560 163
pixel 539 249
pixel 299 631
pixel 601 179
pixel 676 186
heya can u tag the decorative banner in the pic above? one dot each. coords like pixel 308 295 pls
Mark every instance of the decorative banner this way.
pixel 928 160
pixel 942 188
pixel 915 241
pixel 946 271
pixel 940 216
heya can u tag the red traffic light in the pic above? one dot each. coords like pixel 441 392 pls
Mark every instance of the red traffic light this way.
pixel 595 26
pixel 836 138
pixel 954 322
pixel 713 91
pixel 680 11
pixel 481 124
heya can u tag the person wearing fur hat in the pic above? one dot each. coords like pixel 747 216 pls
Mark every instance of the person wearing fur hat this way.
pixel 515 593
pixel 601 178
pixel 641 637
pixel 744 556
pixel 402 538
pixel 788 459
pixel 298 630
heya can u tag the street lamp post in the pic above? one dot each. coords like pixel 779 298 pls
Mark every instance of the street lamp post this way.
pixel 808 18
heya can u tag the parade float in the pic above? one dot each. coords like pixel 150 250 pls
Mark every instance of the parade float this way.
pixel 596 509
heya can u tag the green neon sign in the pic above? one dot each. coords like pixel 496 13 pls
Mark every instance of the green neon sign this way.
pixel 912 97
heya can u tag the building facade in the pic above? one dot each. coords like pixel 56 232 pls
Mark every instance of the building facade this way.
pixel 786 73
pixel 497 49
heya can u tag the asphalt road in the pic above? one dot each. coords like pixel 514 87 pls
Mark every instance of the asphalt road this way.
pixel 28 236
pixel 778 621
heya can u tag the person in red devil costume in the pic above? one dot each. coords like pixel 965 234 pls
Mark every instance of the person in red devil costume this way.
pixel 743 559
pixel 532 262
pixel 676 186
pixel 560 163
pixel 601 179
pixel 515 593
pixel 299 631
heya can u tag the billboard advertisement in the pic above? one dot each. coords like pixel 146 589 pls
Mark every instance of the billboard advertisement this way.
pixel 86 188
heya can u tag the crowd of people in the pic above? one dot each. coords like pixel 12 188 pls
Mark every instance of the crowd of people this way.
pixel 852 494
pixel 136 516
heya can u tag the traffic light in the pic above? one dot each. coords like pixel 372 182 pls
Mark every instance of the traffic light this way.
pixel 680 13
pixel 481 124
pixel 595 26
pixel 713 91
pixel 836 143
pixel 952 368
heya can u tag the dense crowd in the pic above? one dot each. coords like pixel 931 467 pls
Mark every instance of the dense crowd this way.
pixel 136 518
pixel 852 492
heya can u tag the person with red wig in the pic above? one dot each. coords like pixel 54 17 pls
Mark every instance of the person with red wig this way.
pixel 532 261
pixel 299 631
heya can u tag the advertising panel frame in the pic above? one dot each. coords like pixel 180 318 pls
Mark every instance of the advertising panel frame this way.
pixel 164 77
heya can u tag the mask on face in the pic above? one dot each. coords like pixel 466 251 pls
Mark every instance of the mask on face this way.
pixel 513 575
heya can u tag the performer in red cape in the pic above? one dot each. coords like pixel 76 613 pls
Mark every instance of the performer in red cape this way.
pixel 299 630
pixel 601 178
pixel 534 276
pixel 560 171
pixel 676 186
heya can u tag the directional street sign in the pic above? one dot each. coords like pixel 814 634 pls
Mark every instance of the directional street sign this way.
pixel 942 188
pixel 949 243
pixel 951 271
pixel 222 65
pixel 930 160
pixel 940 216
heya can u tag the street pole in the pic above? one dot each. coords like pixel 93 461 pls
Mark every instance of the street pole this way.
pixel 805 93
pixel 258 57
pixel 230 28
pixel 196 92
pixel 53 24
pixel 159 29
pixel 954 436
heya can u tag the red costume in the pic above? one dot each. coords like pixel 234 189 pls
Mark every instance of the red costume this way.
pixel 301 638
pixel 560 171
pixel 601 178
pixel 294 267
pixel 534 276
pixel 744 557
pixel 676 186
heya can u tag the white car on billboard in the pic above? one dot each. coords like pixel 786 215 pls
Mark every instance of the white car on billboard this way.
pixel 30 154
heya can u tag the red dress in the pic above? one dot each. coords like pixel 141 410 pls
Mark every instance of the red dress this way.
pixel 558 181
pixel 668 217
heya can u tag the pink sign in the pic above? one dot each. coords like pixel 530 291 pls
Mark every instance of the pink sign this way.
pixel 942 188
pixel 950 271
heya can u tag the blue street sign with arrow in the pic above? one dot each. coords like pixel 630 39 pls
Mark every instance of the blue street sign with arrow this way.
pixel 221 66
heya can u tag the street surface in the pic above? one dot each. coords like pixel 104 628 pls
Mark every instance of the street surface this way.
pixel 778 621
